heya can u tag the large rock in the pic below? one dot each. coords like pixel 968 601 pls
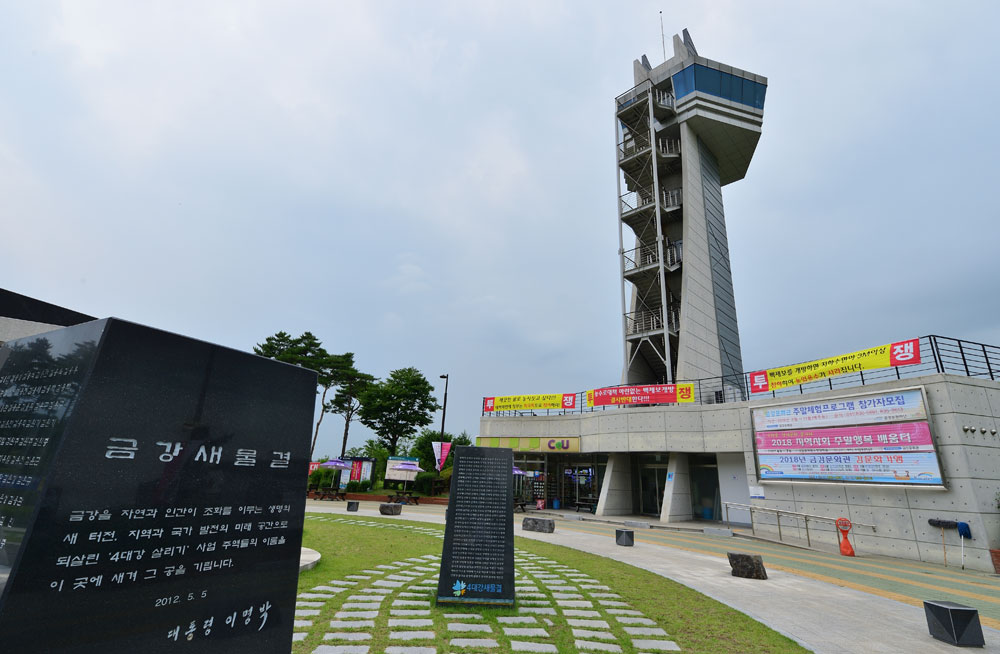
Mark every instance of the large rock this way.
pixel 748 566
pixel 390 509
pixel 544 525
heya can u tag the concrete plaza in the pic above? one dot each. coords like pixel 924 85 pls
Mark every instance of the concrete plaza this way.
pixel 825 602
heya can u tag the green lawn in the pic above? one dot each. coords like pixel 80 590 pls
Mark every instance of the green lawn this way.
pixel 695 622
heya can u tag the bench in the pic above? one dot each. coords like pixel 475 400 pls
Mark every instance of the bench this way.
pixel 520 504
pixel 587 503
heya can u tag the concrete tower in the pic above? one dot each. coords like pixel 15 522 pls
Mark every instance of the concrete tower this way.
pixel 686 129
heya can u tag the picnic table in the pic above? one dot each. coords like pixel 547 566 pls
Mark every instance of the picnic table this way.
pixel 520 504
pixel 588 503
pixel 404 497
pixel 331 493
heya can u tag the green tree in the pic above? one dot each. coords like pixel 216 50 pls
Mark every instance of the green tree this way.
pixel 423 447
pixel 397 406
pixel 347 401
pixel 308 352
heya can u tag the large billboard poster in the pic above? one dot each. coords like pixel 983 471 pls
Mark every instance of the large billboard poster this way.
pixel 876 438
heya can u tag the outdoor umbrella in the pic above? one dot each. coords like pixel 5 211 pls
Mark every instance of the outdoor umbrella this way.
pixel 407 466
pixel 518 471
pixel 336 464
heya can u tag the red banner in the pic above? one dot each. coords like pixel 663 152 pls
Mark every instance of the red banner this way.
pixel 356 470
pixel 651 394
pixel 445 449
pixel 313 465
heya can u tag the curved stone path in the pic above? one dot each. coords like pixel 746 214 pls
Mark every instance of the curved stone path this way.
pixel 397 598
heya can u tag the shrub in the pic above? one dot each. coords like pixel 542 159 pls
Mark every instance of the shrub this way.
pixel 321 477
pixel 353 486
pixel 423 482
pixel 365 486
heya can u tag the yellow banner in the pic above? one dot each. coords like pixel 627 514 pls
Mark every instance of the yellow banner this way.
pixel 529 402
pixel 884 356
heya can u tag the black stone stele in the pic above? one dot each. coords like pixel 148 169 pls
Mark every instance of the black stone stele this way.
pixel 543 525
pixel 748 566
pixel 152 493
pixel 954 623
pixel 352 505
pixel 477 560
pixel 390 509
pixel 625 537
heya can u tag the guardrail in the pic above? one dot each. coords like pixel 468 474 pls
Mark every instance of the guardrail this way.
pixel 938 354
pixel 806 517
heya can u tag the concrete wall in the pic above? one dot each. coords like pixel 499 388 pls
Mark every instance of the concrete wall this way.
pixel 970 460
pixel 698 355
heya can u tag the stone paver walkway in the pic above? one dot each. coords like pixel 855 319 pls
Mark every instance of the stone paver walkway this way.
pixel 394 602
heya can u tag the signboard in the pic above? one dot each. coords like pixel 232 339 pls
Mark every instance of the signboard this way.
pixel 361 470
pixel 477 559
pixel 904 405
pixel 545 445
pixel 529 402
pixel 884 356
pixel 829 444
pixel 400 475
pixel 651 394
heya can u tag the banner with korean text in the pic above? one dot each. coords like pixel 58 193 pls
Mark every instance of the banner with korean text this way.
pixel 649 394
pixel 902 353
pixel 879 438
pixel 529 402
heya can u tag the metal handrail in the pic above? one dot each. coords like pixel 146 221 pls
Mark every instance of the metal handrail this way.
pixel 938 354
pixel 629 97
pixel 642 197
pixel 643 255
pixel 638 322
pixel 779 512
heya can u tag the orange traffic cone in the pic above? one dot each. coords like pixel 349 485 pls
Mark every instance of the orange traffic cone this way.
pixel 844 526
pixel 845 545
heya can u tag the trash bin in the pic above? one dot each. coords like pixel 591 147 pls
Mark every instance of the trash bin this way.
pixel 555 503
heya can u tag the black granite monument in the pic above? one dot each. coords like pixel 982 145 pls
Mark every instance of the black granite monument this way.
pixel 152 492
pixel 477 562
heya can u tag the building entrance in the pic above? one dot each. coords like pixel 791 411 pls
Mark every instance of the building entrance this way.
pixel 705 501
pixel 579 484
pixel 649 475
pixel 652 481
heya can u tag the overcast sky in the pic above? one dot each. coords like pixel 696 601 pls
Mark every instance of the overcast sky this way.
pixel 432 184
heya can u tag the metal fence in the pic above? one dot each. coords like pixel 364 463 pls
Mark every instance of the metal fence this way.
pixel 938 354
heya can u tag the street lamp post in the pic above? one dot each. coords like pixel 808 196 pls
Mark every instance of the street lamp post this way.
pixel 444 407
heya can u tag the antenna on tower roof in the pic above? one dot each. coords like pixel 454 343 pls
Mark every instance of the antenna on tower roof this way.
pixel 663 39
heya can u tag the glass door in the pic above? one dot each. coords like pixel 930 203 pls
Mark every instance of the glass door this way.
pixel 652 482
